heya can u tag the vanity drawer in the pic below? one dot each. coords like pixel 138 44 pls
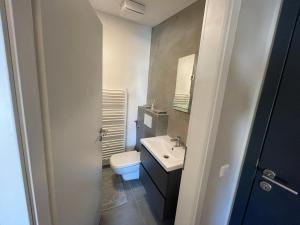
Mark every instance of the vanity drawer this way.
pixel 155 170
pixel 154 197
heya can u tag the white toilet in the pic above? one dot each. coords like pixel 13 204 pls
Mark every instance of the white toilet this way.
pixel 126 164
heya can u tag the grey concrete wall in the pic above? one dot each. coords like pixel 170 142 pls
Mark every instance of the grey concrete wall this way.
pixel 176 37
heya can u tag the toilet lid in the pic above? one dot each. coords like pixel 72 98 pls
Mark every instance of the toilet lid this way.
pixel 125 159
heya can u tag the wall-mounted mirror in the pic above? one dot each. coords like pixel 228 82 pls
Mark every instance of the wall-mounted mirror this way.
pixel 185 70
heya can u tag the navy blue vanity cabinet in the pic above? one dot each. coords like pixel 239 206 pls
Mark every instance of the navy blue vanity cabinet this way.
pixel 162 187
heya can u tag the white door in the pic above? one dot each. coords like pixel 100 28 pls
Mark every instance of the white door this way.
pixel 69 38
pixel 13 202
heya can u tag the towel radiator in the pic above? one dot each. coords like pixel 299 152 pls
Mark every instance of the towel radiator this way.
pixel 114 120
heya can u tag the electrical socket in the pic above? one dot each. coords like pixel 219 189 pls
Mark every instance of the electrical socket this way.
pixel 223 170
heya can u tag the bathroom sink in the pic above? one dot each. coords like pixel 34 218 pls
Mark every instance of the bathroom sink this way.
pixel 163 150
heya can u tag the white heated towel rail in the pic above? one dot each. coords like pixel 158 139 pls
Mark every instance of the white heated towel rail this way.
pixel 114 120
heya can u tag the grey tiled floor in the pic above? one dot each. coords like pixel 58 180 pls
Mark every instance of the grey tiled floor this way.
pixel 136 211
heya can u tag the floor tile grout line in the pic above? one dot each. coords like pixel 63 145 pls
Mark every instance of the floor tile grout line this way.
pixel 107 176
pixel 136 197
pixel 136 204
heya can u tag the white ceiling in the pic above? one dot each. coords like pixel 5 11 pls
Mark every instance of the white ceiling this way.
pixel 156 10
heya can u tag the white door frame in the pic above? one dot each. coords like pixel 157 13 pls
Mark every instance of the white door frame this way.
pixel 217 39
pixel 21 37
pixel 22 157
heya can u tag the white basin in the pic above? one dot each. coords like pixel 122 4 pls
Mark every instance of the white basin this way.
pixel 163 150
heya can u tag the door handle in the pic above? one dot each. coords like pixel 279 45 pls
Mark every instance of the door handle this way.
pixel 280 185
pixel 102 133
pixel 269 175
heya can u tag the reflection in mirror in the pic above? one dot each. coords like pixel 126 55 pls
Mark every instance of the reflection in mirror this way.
pixel 184 79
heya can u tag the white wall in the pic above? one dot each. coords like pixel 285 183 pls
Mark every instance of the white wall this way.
pixel 13 206
pixel 126 55
pixel 254 35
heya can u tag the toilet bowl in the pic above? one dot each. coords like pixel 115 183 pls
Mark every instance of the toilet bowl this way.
pixel 126 164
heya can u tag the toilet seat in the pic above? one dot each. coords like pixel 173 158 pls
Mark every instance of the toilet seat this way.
pixel 125 159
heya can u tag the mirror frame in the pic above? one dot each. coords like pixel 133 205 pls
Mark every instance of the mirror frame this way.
pixel 188 109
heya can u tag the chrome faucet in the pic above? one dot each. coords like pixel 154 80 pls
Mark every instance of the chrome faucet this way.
pixel 177 141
